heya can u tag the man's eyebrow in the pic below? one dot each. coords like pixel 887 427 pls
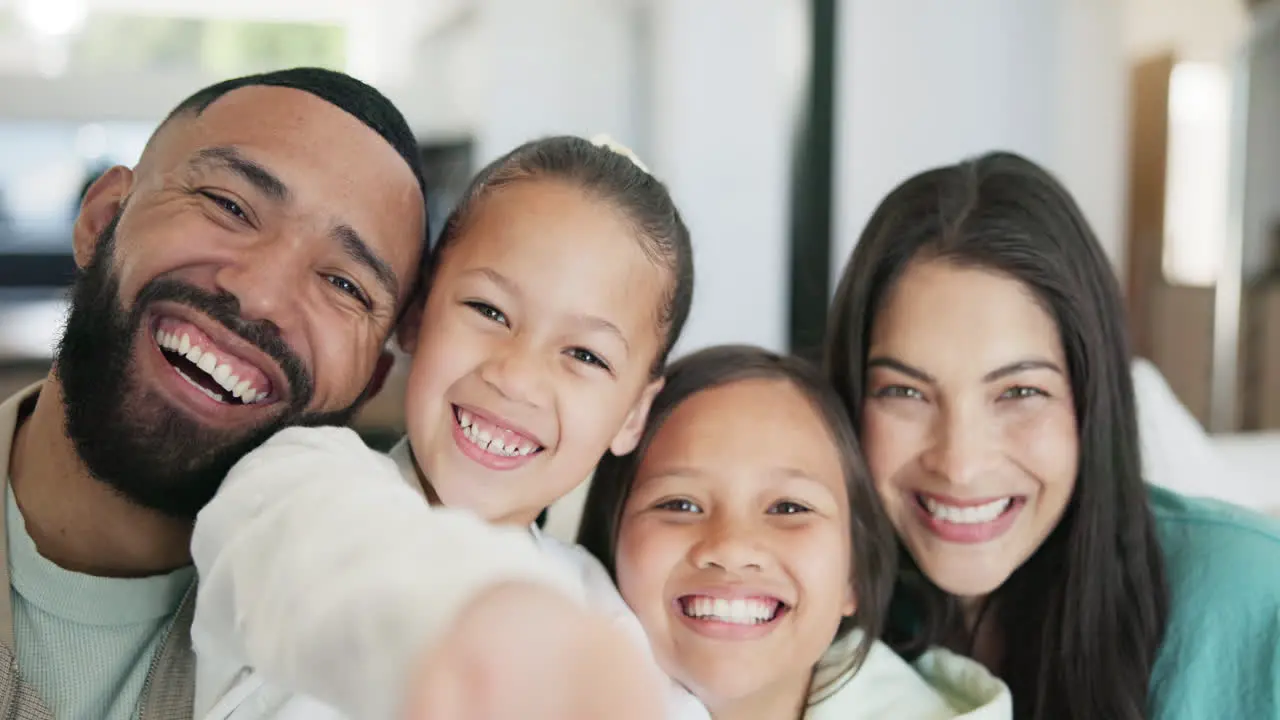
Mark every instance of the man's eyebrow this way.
pixel 357 249
pixel 230 158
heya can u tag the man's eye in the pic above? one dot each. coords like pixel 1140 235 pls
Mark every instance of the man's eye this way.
pixel 227 205
pixel 348 287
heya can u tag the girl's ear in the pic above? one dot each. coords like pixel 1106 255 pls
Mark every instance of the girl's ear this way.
pixel 629 436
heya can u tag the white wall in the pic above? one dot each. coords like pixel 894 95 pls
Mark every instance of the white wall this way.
pixel 726 84
pixel 705 91
pixel 927 82
pixel 1198 30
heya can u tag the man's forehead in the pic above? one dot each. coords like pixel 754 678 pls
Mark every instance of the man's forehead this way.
pixel 250 114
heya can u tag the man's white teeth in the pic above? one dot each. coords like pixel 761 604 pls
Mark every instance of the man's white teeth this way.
pixel 208 362
pixel 974 515
pixel 484 439
pixel 739 611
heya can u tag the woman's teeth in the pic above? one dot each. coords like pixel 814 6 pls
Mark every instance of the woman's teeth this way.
pixel 969 515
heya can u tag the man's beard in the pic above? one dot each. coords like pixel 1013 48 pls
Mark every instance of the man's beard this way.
pixel 128 437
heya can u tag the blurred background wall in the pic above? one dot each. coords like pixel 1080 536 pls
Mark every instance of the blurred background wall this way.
pixel 778 124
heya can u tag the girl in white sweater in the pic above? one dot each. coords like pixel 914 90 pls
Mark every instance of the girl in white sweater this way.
pixel 558 287
pixel 745 533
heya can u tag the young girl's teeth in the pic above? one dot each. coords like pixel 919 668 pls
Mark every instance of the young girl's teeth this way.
pixel 485 440
pixel 739 611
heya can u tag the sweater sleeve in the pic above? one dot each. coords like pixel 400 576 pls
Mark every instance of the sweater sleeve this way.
pixel 325 572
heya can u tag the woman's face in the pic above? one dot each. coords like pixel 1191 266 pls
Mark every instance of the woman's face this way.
pixel 734 546
pixel 968 423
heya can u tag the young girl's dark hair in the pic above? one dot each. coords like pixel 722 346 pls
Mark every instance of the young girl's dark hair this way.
pixel 1081 621
pixel 610 176
pixel 873 547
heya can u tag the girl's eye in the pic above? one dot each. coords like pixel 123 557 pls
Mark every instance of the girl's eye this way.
pixel 786 507
pixel 228 205
pixel 899 391
pixel 680 505
pixel 487 310
pixel 587 357
pixel 1022 392
pixel 350 288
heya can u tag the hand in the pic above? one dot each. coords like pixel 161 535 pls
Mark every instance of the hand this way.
pixel 524 652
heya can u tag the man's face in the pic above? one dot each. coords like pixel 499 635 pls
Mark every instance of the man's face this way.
pixel 241 279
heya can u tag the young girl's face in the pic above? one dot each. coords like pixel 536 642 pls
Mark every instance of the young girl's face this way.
pixel 734 546
pixel 534 351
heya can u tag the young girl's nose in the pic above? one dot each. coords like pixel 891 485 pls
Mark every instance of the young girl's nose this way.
pixel 517 373
pixel 729 545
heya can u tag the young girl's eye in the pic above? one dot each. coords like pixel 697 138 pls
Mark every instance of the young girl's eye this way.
pixel 786 507
pixel 488 311
pixel 899 391
pixel 1022 392
pixel 587 357
pixel 679 505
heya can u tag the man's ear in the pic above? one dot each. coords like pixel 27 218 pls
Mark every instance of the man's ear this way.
pixel 381 370
pixel 629 436
pixel 101 204
pixel 411 324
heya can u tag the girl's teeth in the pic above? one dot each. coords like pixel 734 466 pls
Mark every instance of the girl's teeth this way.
pixel 484 440
pixel 739 611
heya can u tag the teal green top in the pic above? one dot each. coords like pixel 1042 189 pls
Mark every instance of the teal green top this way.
pixel 85 643
pixel 1221 654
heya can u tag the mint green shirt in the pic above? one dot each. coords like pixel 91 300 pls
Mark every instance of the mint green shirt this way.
pixel 1221 654
pixel 85 643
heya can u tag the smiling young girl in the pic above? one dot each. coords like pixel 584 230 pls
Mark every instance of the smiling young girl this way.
pixel 557 289
pixel 746 535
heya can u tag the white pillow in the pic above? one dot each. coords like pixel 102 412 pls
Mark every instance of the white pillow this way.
pixel 1176 452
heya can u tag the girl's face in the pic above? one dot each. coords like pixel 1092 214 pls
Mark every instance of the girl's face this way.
pixel 534 352
pixel 969 423
pixel 734 546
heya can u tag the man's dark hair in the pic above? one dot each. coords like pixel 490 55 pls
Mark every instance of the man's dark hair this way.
pixel 350 95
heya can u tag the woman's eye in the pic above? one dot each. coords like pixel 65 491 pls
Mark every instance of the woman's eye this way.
pixel 786 507
pixel 487 310
pixel 587 357
pixel 1021 392
pixel 228 205
pixel 680 505
pixel 348 287
pixel 899 391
